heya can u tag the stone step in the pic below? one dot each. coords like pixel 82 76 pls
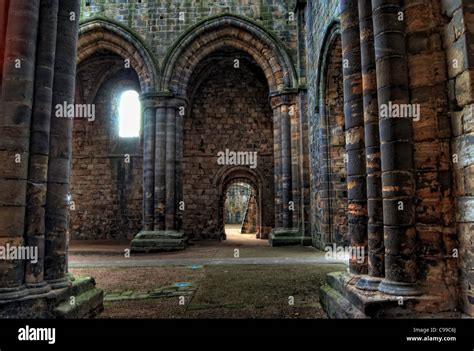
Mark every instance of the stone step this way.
pixel 336 305
pixel 87 303
pixel 374 304
pixel 82 284
pixel 156 245
pixel 164 234
pixel 288 240
pixel 370 303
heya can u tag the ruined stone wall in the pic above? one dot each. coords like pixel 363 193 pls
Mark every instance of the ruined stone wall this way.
pixel 333 189
pixel 106 190
pixel 230 111
pixel 161 22
pixel 458 41
pixel 439 48
pixel 435 212
pixel 321 17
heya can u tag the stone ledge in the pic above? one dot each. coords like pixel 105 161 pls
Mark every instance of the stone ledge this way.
pixel 53 304
pixel 88 301
pixel 336 305
pixel 288 236
pixel 156 241
pixel 341 299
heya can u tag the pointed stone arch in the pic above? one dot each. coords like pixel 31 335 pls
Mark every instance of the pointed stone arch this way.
pixel 102 34
pixel 223 31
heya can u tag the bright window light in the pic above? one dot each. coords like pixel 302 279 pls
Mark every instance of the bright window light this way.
pixel 129 115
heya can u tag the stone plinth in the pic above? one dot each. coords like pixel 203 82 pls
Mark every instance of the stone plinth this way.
pixel 87 302
pixel 159 240
pixel 287 236
pixel 341 299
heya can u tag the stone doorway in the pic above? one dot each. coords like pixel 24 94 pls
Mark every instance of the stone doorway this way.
pixel 242 216
pixel 228 139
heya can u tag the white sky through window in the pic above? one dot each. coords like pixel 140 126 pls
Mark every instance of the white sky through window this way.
pixel 129 115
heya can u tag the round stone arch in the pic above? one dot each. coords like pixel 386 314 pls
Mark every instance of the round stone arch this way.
pixel 222 31
pixel 101 34
pixel 232 175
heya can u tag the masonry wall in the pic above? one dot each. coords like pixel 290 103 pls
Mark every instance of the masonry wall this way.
pixel 320 18
pixel 159 23
pixel 230 111
pixel 105 189
pixel 434 198
pixel 458 41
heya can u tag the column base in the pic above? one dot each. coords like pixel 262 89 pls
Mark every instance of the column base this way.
pixel 13 293
pixel 398 289
pixel 341 298
pixel 158 241
pixel 287 236
pixel 60 283
pixel 38 289
pixel 368 283
pixel 87 302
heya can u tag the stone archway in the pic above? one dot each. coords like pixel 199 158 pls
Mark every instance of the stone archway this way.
pixel 228 176
pixel 332 119
pixel 329 176
pixel 110 59
pixel 105 35
pixel 186 66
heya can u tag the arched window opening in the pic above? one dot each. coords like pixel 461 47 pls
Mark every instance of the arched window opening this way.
pixel 129 115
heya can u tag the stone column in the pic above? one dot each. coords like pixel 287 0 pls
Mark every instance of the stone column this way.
pixel 170 210
pixel 286 232
pixel 355 144
pixel 286 169
pixel 148 163
pixel 39 146
pixel 15 119
pixel 59 163
pixel 277 165
pixel 160 167
pixel 376 267
pixel 179 166
pixel 164 139
pixel 396 150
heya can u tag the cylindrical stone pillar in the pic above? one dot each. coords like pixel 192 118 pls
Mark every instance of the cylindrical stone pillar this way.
pixel 59 163
pixel 170 168
pixel 396 140
pixel 296 193
pixel 277 165
pixel 160 167
pixel 15 120
pixel 372 149
pixel 148 164
pixel 286 176
pixel 39 145
pixel 355 143
pixel 179 167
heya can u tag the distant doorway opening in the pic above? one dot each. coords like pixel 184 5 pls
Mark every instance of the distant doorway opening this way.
pixel 241 210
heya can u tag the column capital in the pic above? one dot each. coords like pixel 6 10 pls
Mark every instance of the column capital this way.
pixel 162 99
pixel 286 97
